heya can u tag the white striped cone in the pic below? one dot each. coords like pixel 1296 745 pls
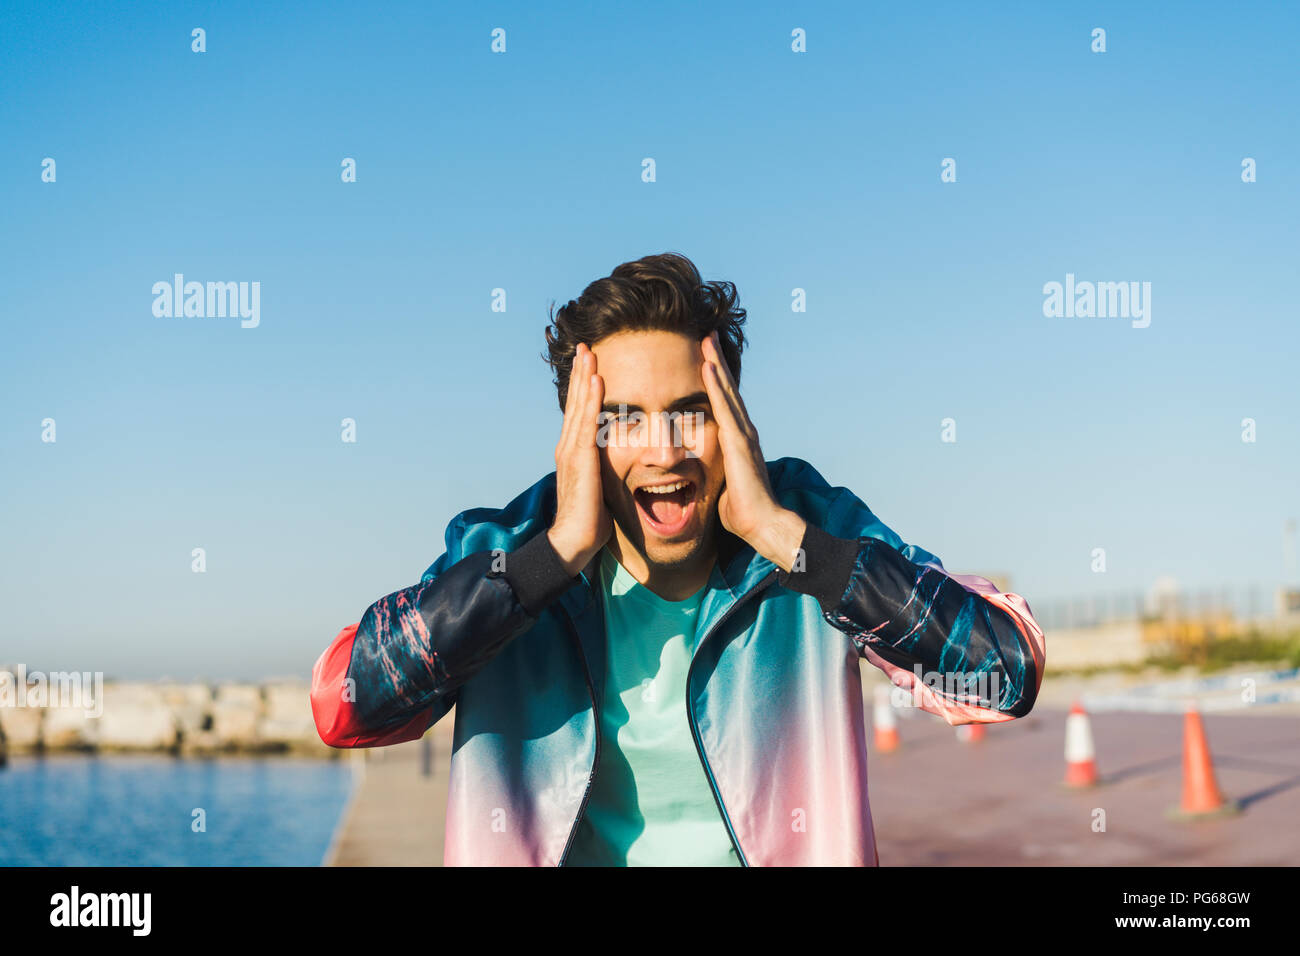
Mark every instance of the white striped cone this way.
pixel 1080 755
pixel 970 733
pixel 882 716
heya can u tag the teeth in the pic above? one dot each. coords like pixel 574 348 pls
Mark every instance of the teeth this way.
pixel 665 489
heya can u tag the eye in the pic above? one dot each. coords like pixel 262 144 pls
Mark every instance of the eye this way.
pixel 695 417
pixel 623 423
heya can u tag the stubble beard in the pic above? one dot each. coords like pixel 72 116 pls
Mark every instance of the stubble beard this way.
pixel 666 557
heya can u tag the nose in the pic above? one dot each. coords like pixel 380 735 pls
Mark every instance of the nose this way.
pixel 664 447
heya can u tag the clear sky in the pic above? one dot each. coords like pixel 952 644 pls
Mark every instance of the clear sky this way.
pixel 522 171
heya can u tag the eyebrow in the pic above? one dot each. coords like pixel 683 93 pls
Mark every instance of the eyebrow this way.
pixel 695 398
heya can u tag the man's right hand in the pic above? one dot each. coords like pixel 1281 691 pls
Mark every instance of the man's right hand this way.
pixel 582 522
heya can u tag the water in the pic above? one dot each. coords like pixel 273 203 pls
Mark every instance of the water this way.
pixel 80 810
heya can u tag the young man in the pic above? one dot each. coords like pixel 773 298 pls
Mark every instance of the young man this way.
pixel 653 651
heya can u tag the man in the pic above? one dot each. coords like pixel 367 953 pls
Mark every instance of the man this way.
pixel 653 651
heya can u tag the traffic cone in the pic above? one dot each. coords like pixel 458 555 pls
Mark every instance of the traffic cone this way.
pixel 1201 795
pixel 1080 755
pixel 970 733
pixel 886 724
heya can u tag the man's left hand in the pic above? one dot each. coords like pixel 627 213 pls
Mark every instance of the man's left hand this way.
pixel 747 507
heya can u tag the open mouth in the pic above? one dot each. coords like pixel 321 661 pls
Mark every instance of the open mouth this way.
pixel 667 507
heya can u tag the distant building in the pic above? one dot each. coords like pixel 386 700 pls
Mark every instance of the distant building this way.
pixel 1286 604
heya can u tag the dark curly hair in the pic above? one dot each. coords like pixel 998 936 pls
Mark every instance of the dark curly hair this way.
pixel 655 293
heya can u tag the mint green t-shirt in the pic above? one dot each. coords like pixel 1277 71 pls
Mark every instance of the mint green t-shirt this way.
pixel 651 804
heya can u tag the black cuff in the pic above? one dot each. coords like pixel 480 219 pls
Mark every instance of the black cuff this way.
pixel 827 564
pixel 535 573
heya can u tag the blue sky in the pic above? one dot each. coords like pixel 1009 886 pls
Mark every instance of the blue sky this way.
pixel 522 171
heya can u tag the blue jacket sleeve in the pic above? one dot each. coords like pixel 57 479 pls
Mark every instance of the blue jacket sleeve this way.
pixel 965 650
pixel 394 674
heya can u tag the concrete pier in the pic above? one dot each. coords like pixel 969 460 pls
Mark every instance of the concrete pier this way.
pixel 396 812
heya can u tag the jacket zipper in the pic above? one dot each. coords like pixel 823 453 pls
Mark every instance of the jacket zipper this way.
pixel 690 712
pixel 690 717
pixel 595 760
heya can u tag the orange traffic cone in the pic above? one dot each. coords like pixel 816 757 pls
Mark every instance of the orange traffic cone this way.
pixel 970 733
pixel 886 724
pixel 1201 795
pixel 1080 755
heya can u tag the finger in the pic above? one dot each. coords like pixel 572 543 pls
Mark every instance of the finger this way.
pixel 713 352
pixel 713 356
pixel 723 409
pixel 716 356
pixel 588 410
pixel 729 386
pixel 591 411
pixel 730 401
pixel 570 391
pixel 575 374
pixel 593 392
pixel 741 453
pixel 577 379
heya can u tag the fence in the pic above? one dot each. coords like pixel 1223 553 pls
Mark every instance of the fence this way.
pixel 1245 604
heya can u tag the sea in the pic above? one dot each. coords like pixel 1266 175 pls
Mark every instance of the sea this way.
pixel 157 810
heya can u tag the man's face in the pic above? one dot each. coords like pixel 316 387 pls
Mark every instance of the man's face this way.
pixel 659 431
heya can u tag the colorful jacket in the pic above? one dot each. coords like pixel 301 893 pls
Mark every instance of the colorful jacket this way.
pixel 498 629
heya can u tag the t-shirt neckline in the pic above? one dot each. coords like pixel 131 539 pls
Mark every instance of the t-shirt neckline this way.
pixel 621 583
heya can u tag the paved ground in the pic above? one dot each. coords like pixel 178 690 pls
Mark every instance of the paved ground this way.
pixel 395 816
pixel 998 802
pixel 940 802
